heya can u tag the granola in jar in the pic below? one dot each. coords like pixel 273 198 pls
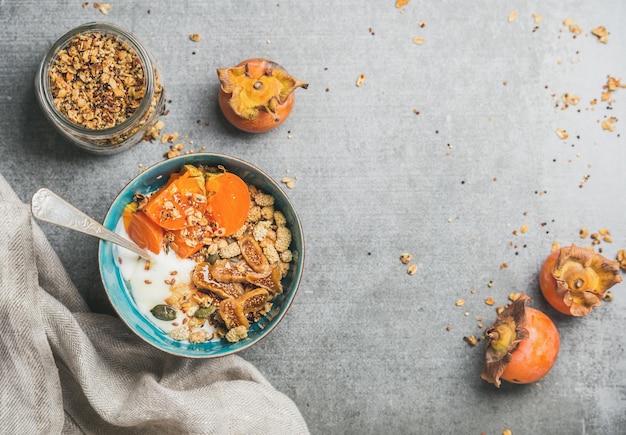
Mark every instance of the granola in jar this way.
pixel 100 87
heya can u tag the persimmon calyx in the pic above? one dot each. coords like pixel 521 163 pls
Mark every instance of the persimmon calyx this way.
pixel 503 338
pixel 256 89
pixel 583 277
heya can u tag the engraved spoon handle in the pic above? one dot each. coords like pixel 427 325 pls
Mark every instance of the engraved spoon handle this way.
pixel 49 207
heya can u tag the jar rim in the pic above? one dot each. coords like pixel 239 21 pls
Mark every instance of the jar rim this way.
pixel 125 36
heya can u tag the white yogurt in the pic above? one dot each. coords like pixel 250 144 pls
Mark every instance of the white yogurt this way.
pixel 151 286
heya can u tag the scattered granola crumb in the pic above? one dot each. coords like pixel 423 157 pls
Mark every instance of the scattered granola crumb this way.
pixel 538 18
pixel 562 133
pixel 490 301
pixel 471 340
pixel 573 27
pixel 419 40
pixel 507 432
pixel 601 33
pixel 583 232
pixel 460 302
pixel 608 296
pixel 195 37
pixel 607 124
pixel 401 3
pixel 512 16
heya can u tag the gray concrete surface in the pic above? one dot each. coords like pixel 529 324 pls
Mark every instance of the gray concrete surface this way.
pixel 446 150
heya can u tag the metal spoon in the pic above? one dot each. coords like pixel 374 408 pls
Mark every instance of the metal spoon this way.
pixel 49 207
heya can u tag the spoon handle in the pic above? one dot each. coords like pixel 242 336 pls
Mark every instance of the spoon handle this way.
pixel 49 207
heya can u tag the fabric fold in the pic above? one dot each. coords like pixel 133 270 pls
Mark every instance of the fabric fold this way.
pixel 68 370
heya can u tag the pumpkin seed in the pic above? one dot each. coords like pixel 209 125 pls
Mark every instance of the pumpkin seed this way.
pixel 204 312
pixel 163 312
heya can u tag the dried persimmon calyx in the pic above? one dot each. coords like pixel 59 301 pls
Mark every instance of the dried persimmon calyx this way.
pixel 503 338
pixel 259 87
pixel 583 277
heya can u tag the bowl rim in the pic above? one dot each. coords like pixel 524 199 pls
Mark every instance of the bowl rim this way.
pixel 158 171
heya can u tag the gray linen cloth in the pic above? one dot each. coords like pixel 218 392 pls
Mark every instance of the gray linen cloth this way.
pixel 65 369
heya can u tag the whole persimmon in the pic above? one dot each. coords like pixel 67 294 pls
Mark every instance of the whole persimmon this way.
pixel 575 279
pixel 257 94
pixel 522 345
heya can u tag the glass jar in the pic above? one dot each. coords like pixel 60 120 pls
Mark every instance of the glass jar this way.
pixel 99 86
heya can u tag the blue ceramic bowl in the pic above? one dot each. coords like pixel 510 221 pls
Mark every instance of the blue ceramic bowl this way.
pixel 118 289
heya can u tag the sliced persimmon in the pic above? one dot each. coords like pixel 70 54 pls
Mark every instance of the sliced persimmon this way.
pixel 177 204
pixel 186 241
pixel 228 201
pixel 142 230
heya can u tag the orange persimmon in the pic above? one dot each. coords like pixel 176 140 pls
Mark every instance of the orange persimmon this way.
pixel 574 279
pixel 187 241
pixel 142 230
pixel 228 201
pixel 257 94
pixel 522 345
pixel 174 205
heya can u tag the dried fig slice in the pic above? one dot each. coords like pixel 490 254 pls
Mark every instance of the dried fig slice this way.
pixel 253 300
pixel 229 271
pixel 225 290
pixel 253 254
pixel 201 275
pixel 232 314
pixel 269 281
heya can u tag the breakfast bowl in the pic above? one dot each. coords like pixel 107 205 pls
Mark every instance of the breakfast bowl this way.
pixel 174 302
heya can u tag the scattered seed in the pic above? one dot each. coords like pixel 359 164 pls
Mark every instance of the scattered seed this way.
pixel 406 258
pixel 195 37
pixel 562 133
pixel 537 18
pixel 460 302
pixel 608 296
pixel 512 16
pixel 490 301
pixel 360 80
pixel 584 232
pixel 419 40
pixel 514 296
pixel 412 269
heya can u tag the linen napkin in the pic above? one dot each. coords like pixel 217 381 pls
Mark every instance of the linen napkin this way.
pixel 65 369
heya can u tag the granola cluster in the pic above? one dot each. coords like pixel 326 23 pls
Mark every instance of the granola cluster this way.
pixel 97 81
